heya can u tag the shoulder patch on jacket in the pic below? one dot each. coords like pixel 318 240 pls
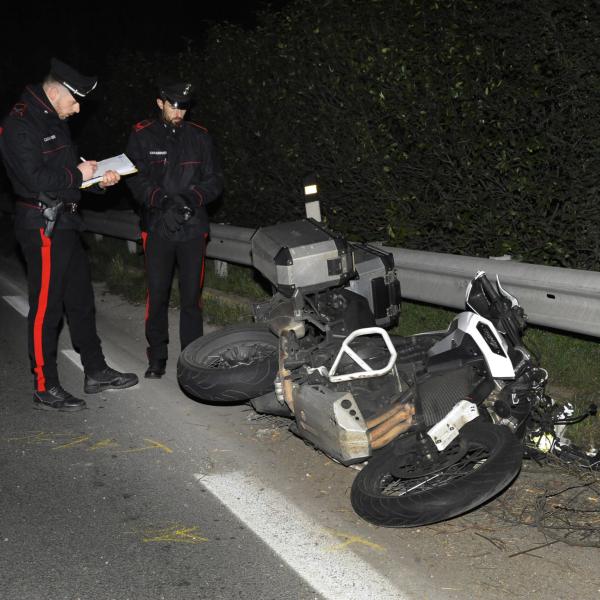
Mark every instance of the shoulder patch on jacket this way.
pixel 198 126
pixel 142 125
pixel 19 110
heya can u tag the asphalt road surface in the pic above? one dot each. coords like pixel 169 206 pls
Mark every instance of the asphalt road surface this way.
pixel 149 495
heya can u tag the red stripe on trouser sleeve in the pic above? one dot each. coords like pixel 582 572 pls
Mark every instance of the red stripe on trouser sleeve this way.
pixel 202 270
pixel 42 305
pixel 144 241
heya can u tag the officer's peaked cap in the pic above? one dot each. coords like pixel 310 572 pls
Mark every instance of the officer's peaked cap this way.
pixel 178 93
pixel 79 85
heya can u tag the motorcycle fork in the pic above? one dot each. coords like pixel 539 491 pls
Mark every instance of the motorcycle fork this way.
pixel 283 383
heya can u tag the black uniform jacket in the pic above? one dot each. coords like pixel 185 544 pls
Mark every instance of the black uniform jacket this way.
pixel 39 158
pixel 174 162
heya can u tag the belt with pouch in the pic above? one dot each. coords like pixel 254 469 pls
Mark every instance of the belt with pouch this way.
pixel 72 207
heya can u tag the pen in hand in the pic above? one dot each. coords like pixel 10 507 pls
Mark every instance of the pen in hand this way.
pixel 87 168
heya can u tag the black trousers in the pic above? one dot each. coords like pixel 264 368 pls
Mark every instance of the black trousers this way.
pixel 161 257
pixel 59 281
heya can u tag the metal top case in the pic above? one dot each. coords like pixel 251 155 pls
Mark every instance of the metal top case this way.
pixel 302 255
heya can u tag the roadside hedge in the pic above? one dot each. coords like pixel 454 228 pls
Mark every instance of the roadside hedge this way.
pixel 462 126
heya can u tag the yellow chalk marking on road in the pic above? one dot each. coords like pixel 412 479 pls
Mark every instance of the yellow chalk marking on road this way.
pixel 108 443
pixel 159 445
pixel 75 442
pixel 39 436
pixel 177 533
pixel 351 539
pixel 153 444
pixel 31 436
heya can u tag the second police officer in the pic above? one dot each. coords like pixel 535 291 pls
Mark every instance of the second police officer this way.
pixel 178 175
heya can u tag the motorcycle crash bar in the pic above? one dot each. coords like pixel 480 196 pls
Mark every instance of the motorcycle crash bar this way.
pixel 367 371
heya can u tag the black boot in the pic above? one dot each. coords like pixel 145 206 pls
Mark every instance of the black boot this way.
pixel 108 379
pixel 156 368
pixel 56 398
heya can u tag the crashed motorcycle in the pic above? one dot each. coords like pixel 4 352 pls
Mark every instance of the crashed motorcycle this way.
pixel 437 422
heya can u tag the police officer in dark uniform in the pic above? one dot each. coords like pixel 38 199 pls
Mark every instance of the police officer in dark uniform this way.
pixel 178 175
pixel 46 174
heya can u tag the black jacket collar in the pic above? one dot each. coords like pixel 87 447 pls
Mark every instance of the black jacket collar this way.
pixel 36 100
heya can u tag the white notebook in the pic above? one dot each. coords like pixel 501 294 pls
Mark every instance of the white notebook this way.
pixel 120 163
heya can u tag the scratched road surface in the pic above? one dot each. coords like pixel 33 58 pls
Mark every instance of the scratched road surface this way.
pixel 151 495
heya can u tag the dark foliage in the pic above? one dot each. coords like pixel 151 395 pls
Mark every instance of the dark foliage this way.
pixel 455 126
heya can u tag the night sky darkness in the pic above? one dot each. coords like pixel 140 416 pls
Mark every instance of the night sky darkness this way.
pixel 32 34
pixel 86 34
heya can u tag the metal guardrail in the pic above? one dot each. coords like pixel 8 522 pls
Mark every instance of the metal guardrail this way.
pixel 227 243
pixel 565 299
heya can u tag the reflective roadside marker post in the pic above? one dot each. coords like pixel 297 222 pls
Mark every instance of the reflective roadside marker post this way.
pixel 311 202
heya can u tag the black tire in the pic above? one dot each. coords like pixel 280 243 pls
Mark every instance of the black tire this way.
pixel 234 364
pixel 452 491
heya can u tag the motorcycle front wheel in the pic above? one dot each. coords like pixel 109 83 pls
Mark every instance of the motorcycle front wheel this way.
pixel 234 364
pixel 488 458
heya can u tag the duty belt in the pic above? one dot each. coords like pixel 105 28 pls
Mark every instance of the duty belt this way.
pixel 72 207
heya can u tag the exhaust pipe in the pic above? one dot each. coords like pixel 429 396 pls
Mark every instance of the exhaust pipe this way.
pixel 390 425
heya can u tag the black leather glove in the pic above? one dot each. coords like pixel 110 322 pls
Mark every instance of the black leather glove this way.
pixel 175 213
pixel 188 207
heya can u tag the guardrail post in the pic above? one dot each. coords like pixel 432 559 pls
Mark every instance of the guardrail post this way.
pixel 220 269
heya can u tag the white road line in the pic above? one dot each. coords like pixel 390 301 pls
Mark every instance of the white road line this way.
pixel 19 303
pixel 76 359
pixel 338 574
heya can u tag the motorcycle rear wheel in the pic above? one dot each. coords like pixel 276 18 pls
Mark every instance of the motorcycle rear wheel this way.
pixel 492 460
pixel 234 364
